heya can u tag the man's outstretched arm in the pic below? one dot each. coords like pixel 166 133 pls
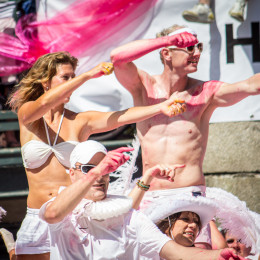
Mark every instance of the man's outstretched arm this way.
pixel 230 94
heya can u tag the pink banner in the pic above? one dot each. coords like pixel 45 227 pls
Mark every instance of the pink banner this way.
pixel 78 29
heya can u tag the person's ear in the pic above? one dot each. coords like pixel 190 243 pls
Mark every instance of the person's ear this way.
pixel 72 174
pixel 167 54
pixel 45 86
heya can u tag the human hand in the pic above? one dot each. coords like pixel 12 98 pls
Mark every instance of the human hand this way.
pixel 113 160
pixel 163 171
pixel 229 254
pixel 182 40
pixel 173 107
pixel 104 68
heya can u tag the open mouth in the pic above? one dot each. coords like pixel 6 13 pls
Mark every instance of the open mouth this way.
pixel 193 62
pixel 189 234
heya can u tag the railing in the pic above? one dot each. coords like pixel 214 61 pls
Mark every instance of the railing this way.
pixel 9 156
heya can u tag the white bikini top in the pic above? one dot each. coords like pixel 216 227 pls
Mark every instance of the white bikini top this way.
pixel 35 153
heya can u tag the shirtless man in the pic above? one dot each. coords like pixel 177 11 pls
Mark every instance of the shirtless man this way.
pixel 181 139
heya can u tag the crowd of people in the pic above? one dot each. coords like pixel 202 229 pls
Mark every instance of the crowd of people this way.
pixel 167 215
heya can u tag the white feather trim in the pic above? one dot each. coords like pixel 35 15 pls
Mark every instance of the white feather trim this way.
pixel 125 172
pixel 111 206
pixel 234 215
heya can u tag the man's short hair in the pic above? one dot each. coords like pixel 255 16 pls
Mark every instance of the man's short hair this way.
pixel 166 32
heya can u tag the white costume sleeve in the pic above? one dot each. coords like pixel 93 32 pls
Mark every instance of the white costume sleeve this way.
pixel 42 211
pixel 43 208
pixel 149 236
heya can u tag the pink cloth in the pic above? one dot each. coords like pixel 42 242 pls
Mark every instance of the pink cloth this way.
pixel 78 29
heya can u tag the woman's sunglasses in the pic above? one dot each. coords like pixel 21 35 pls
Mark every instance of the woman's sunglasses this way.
pixel 85 168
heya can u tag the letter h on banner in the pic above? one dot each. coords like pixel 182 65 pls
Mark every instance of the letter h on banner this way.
pixel 254 41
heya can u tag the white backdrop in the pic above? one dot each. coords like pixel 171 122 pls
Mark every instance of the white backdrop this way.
pixel 107 94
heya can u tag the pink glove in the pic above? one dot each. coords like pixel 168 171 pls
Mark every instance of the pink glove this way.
pixel 229 254
pixel 114 159
pixel 182 40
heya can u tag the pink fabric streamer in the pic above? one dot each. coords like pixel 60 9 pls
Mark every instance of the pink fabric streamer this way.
pixel 78 29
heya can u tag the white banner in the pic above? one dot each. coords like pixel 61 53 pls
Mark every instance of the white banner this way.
pixel 221 39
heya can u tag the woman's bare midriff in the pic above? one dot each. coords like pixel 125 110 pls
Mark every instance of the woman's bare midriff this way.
pixel 44 182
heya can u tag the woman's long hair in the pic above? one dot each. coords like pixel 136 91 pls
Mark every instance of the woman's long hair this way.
pixel 30 87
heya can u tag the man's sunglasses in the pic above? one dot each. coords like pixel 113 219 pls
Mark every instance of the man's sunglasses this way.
pixel 85 168
pixel 191 49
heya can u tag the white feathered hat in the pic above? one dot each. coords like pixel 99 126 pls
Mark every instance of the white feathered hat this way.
pixel 205 208
pixel 234 215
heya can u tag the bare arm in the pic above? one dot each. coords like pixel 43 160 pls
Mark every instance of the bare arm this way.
pixel 160 171
pixel 33 110
pixel 229 94
pixel 96 122
pixel 173 251
pixel 122 57
pixel 218 241
pixel 69 198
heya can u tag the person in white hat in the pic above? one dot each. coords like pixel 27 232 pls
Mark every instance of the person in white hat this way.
pixel 240 226
pixel 182 217
pixel 86 223
pixel 236 243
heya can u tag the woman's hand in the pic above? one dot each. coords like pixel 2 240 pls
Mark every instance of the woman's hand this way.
pixel 104 68
pixel 173 107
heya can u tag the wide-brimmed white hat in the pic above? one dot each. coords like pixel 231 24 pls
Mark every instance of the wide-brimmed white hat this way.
pixel 205 208
pixel 83 152
pixel 234 215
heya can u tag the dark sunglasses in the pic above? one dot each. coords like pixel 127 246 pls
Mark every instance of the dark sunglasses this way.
pixel 191 49
pixel 85 168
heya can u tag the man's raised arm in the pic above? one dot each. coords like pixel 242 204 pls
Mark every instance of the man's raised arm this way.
pixel 136 49
pixel 122 57
pixel 70 197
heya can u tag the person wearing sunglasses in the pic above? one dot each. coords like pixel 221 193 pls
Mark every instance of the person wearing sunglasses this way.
pixel 238 245
pixel 87 223
pixel 182 139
